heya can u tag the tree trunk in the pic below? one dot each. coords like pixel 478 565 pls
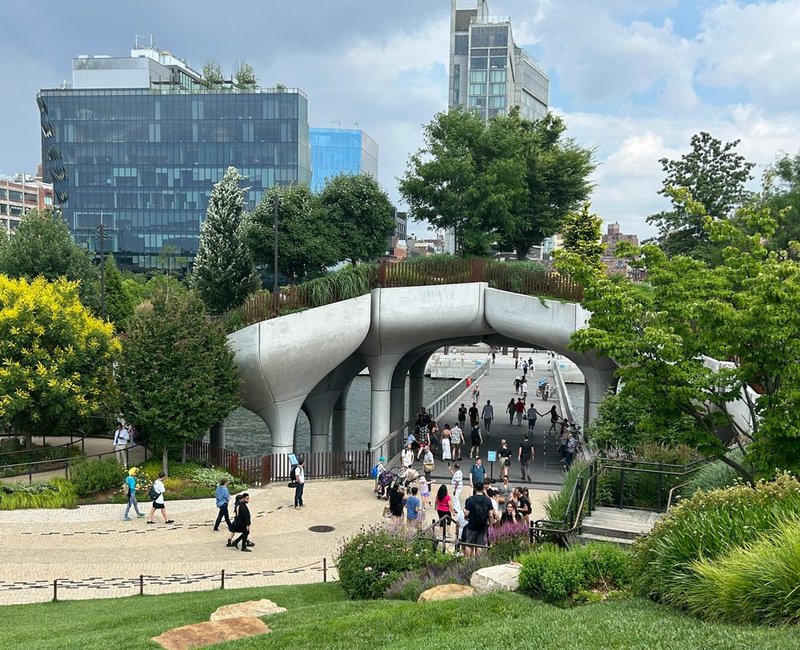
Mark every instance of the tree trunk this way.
pixel 183 452
pixel 747 476
pixel 165 460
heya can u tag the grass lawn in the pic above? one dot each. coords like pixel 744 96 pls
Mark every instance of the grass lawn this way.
pixel 320 617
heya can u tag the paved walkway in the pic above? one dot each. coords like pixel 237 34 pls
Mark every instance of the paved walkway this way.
pixel 497 385
pixel 94 554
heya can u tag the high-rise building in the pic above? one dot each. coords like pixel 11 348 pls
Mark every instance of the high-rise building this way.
pixel 19 194
pixel 489 73
pixel 341 151
pixel 613 237
pixel 138 142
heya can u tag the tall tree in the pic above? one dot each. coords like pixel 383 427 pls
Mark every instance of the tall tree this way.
pixel 43 246
pixel 582 237
pixel 509 181
pixel 782 196
pixel 223 273
pixel 119 300
pixel 713 175
pixel 212 74
pixel 177 374
pixel 361 210
pixel 556 176
pixel 307 242
pixel 245 76
pixel 57 359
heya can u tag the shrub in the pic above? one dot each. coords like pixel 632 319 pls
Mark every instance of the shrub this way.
pixel 714 476
pixel 758 583
pixel 509 541
pixel 371 560
pixel 58 493
pixel 211 476
pixel 94 476
pixel 557 504
pixel 409 585
pixel 557 576
pixel 707 526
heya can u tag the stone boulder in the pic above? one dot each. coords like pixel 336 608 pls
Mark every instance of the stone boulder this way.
pixel 503 577
pixel 257 608
pixel 446 592
pixel 209 633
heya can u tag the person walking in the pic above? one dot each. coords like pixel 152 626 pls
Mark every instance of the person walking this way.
pixel 479 512
pixel 121 444
pixel 511 409
pixel 158 491
pixel 477 473
pixel 457 483
pixel 523 389
pixel 444 507
pixel 130 486
pixel 427 463
pixel 515 354
pixel 241 525
pixel 407 457
pixel 532 414
pixel 456 441
pixel 477 440
pixel 571 448
pixel 413 508
pixel 222 495
pixel 488 415
pixel 447 439
pixel 505 458
pixel 524 456
pixel 553 420
pixel 519 410
pixel 476 393
pixel 473 414
pixel 462 417
pixel 300 480
pixel 517 383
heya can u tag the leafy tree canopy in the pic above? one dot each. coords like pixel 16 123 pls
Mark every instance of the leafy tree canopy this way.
pixel 782 196
pixel 363 213
pixel 177 374
pixel 308 243
pixel 582 237
pixel 509 181
pixel 711 174
pixel 42 245
pixel 120 300
pixel 57 359
pixel 245 76
pixel 223 273
pixel 212 74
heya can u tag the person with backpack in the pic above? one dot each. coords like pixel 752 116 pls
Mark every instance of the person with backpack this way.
pixel 300 483
pixel 477 441
pixel 488 415
pixel 462 416
pixel 157 495
pixel 222 495
pixel 477 473
pixel 241 525
pixel 511 409
pixel 479 512
pixel 130 486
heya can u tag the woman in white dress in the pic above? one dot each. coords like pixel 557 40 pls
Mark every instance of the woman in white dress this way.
pixel 446 454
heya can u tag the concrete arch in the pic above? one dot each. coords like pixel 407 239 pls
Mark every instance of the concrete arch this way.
pixel 390 331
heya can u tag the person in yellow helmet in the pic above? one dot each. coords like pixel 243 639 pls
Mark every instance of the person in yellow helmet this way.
pixel 130 487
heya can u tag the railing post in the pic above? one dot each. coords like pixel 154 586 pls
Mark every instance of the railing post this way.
pixel 660 481
pixel 621 488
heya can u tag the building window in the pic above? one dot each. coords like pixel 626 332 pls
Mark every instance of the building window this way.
pixel 478 63
pixel 497 102
pixel 15 210
pixel 478 77
pixel 13 195
pixel 497 63
pixel 480 52
pixel 497 76
pixel 31 198
pixel 2 193
pixel 461 46
pixel 3 208
pixel 497 89
pixel 477 89
pixel 477 102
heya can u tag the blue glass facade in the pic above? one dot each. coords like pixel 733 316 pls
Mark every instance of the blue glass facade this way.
pixel 146 159
pixel 341 151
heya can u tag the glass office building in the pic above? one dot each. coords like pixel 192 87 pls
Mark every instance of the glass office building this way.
pixel 341 151
pixel 139 142
pixel 488 72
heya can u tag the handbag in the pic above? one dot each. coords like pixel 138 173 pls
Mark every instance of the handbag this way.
pixel 292 484
pixel 428 467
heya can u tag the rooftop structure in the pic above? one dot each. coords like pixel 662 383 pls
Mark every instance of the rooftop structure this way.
pixel 19 194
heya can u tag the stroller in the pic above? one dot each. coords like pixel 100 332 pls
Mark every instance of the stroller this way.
pixel 385 480
pixel 408 476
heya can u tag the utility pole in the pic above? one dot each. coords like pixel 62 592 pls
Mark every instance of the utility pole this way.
pixel 101 238
pixel 276 203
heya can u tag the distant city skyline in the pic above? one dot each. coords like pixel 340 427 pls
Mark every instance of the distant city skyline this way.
pixel 633 80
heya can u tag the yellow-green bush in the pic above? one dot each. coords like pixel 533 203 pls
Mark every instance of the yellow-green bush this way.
pixel 58 493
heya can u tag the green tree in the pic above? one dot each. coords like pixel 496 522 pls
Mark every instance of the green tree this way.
pixel 582 237
pixel 308 243
pixel 212 74
pixel 713 175
pixel 509 181
pixel 223 273
pixel 782 196
pixel 43 246
pixel 361 210
pixel 119 301
pixel 177 374
pixel 556 177
pixel 57 359
pixel 245 76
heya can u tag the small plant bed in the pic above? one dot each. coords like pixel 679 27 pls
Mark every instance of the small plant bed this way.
pixel 58 493
pixel 13 455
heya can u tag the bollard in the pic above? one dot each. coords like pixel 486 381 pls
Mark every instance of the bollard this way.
pixel 324 569
pixel 223 580
pixel 141 585
pixel 55 591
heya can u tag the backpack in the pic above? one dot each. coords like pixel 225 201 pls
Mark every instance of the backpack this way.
pixel 479 512
pixel 153 493
pixel 293 476
pixel 374 472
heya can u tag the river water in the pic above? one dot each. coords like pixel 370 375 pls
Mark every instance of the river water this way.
pixel 247 433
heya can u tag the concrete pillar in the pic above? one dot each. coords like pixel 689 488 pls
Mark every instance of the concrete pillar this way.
pixel 339 423
pixel 318 409
pixel 598 381
pixel 398 406
pixel 281 419
pixel 416 389
pixel 381 370
pixel 217 435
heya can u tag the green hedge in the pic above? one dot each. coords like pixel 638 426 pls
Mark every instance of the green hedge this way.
pixel 99 475
pixel 58 493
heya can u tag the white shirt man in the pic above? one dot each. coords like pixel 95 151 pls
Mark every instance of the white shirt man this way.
pixel 121 437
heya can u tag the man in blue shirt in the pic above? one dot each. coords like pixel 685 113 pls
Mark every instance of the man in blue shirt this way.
pixel 222 496
pixel 413 507
pixel 477 474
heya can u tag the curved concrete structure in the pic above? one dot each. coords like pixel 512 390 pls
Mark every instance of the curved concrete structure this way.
pixel 307 360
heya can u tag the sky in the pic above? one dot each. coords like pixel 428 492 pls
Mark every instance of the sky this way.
pixel 633 79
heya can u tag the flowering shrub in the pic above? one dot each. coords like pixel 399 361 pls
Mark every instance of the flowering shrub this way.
pixel 371 560
pixel 707 526
pixel 211 477
pixel 509 541
pixel 409 585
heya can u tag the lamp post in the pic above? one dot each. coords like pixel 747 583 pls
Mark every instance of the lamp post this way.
pixel 276 202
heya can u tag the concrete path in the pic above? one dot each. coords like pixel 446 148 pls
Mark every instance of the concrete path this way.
pixel 498 386
pixel 94 554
